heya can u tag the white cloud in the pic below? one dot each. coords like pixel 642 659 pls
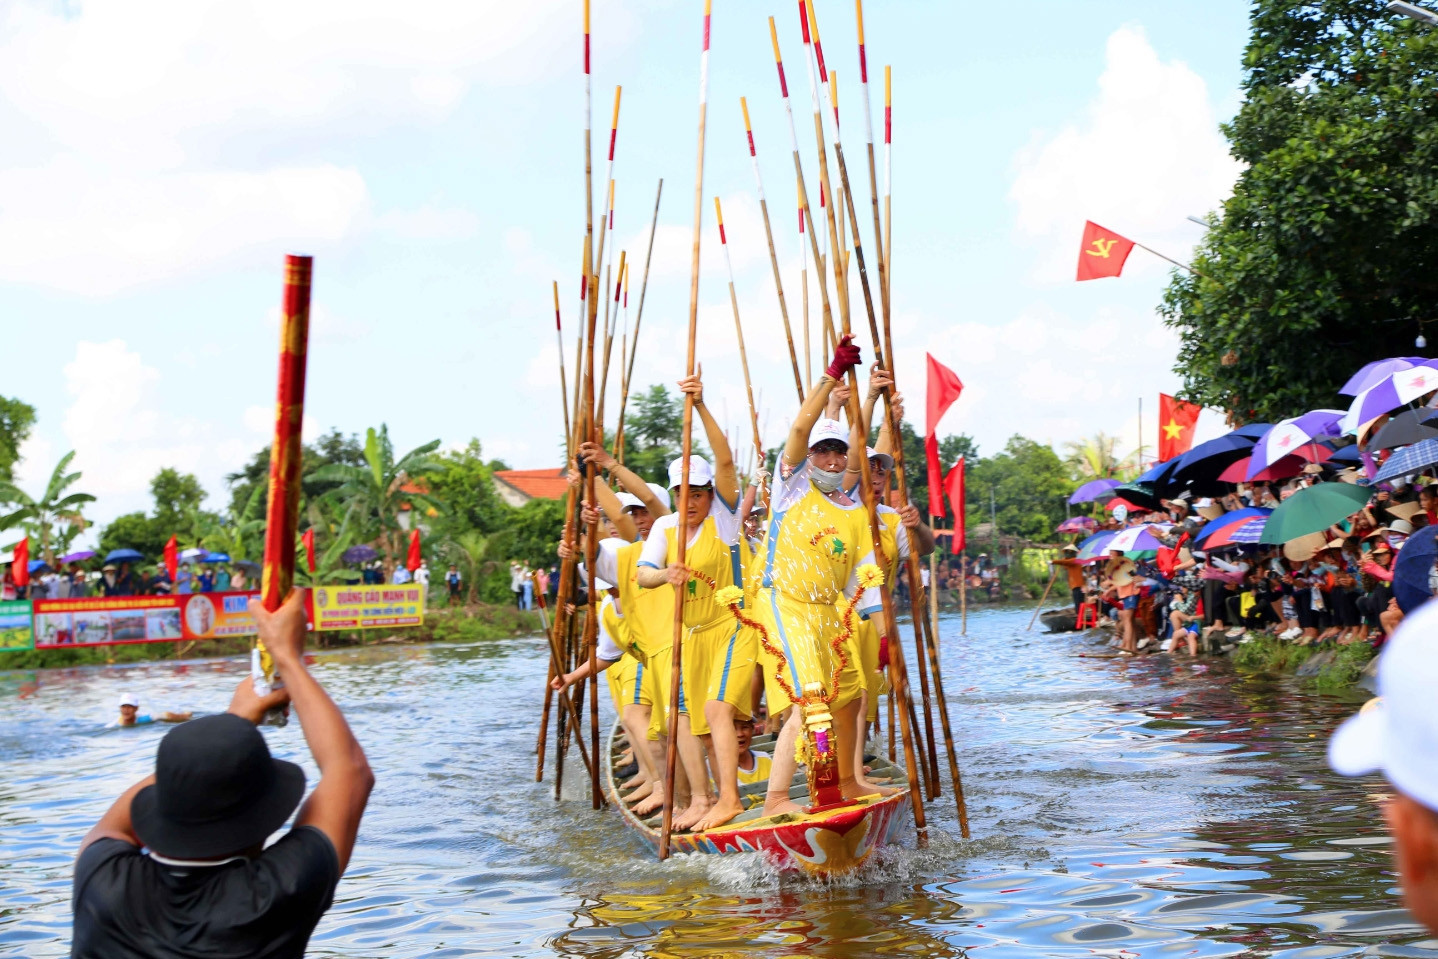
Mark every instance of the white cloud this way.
pixel 1148 154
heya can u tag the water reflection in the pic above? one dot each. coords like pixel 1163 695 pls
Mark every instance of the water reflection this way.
pixel 1119 808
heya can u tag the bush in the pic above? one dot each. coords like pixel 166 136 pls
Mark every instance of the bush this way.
pixel 1269 654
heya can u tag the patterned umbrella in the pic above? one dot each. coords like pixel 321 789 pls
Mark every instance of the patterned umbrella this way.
pixel 1387 395
pixel 1093 547
pixel 1380 370
pixel 1237 518
pixel 1247 532
pixel 1136 539
pixel 1291 435
pixel 1409 460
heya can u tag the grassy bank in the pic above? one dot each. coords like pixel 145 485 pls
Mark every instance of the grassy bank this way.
pixel 1324 668
pixel 459 625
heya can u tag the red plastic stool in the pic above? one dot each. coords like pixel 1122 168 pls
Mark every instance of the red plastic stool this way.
pixel 1087 616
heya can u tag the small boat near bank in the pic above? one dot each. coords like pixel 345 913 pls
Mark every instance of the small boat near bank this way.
pixel 830 842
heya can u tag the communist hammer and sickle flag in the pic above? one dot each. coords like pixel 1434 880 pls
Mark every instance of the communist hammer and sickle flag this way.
pixel 1103 252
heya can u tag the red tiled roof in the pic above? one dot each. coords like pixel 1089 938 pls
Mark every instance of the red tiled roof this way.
pixel 538 484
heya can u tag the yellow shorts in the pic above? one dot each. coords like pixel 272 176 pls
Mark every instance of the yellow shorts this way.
pixel 864 646
pixel 629 684
pixel 657 670
pixel 803 631
pixel 718 666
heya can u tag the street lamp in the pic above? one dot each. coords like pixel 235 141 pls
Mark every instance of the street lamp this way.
pixel 1203 223
pixel 1413 12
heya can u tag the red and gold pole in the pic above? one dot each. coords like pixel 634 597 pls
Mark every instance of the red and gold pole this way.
pixel 278 576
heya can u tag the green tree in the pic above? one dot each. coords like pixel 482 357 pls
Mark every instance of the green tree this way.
pixel 537 527
pixel 40 516
pixel 375 492
pixel 464 482
pixel 16 421
pixel 1028 485
pixel 653 431
pixel 1325 255
pixel 178 497
pixel 331 447
pixel 478 557
pixel 134 531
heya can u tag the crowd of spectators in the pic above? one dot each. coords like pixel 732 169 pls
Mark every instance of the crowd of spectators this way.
pixel 124 579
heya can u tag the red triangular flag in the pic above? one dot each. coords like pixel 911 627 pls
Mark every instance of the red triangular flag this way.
pixel 309 541
pixel 943 389
pixel 1103 252
pixel 414 559
pixel 1176 421
pixel 954 486
pixel 172 558
pixel 20 566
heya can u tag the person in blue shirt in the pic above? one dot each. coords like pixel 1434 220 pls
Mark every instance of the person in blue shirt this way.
pixel 130 714
pixel 207 580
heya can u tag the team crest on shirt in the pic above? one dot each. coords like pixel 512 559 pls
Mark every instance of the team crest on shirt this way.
pixel 826 531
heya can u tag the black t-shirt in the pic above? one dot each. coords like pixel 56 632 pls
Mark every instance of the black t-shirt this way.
pixel 128 905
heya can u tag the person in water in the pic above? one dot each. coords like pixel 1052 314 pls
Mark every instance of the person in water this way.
pixel 130 713
pixel 178 865
pixel 1397 735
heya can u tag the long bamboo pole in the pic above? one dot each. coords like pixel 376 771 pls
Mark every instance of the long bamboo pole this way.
pixel 686 442
pixel 591 544
pixel 826 189
pixel 608 345
pixel 563 384
pixel 638 318
pixel 804 284
pixel 588 172
pixel 608 225
pixel 1053 575
pixel 773 256
pixel 739 332
pixel 888 248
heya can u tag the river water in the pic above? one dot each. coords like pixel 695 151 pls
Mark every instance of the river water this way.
pixel 1118 808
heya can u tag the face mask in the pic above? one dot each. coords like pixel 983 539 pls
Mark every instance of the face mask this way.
pixel 826 481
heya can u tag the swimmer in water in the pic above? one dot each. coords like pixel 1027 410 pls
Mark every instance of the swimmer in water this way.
pixel 130 713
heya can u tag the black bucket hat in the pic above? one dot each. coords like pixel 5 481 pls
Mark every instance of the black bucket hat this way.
pixel 217 790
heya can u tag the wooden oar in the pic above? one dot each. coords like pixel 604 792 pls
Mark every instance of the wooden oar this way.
pixel 638 318
pixel 1043 599
pixel 686 442
pixel 773 256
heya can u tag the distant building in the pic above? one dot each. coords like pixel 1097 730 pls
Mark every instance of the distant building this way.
pixel 517 487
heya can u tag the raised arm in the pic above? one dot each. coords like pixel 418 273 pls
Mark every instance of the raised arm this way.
pixel 726 477
pixel 627 478
pixel 885 442
pixel 796 448
pixel 338 802
pixel 623 522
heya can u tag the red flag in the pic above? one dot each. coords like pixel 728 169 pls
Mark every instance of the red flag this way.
pixel 1176 420
pixel 20 565
pixel 309 541
pixel 1103 252
pixel 943 389
pixel 172 558
pixel 954 486
pixel 413 561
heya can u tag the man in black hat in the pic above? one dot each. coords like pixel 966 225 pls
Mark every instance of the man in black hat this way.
pixel 204 883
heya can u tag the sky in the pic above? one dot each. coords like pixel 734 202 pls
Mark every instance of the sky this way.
pixel 160 157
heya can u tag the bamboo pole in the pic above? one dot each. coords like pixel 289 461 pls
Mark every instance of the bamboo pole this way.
pixel 563 384
pixel 608 225
pixel 773 256
pixel 608 344
pixel 888 183
pixel 682 532
pixel 638 318
pixel 539 746
pixel 1053 575
pixel 591 544
pixel 813 58
pixel 588 174
pixel 804 283
pixel 739 332
pixel 931 630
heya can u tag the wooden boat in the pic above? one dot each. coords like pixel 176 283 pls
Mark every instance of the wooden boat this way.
pixel 1059 620
pixel 831 842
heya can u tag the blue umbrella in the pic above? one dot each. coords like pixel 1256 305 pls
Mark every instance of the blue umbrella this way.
pixel 1411 571
pixel 215 558
pixel 1227 520
pixel 36 565
pixel 1409 460
pixel 124 556
pixel 1092 490
pixel 1198 469
pixel 1347 454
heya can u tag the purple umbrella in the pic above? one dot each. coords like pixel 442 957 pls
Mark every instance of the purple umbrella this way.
pixel 1395 390
pixel 1285 438
pixel 359 554
pixel 1379 370
pixel 1078 524
pixel 79 557
pixel 1093 490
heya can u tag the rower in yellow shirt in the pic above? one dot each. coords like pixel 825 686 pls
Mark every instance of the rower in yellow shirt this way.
pixel 718 654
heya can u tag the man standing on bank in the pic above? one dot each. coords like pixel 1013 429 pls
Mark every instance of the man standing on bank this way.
pixel 204 883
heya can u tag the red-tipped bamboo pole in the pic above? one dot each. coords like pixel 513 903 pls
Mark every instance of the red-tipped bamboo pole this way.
pixel 739 332
pixel 638 318
pixel 773 256
pixel 591 542
pixel 563 383
pixel 682 532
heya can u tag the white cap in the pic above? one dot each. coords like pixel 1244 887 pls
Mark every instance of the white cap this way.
pixel 700 472
pixel 885 460
pixel 1401 526
pixel 130 699
pixel 828 430
pixel 629 500
pixel 1397 734
pixel 661 493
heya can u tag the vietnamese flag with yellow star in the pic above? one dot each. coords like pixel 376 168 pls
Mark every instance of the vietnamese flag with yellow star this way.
pixel 1176 420
pixel 1103 252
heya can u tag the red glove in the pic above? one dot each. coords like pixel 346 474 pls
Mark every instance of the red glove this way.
pixel 883 652
pixel 846 357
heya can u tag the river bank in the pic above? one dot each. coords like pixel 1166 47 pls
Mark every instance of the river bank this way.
pixel 469 624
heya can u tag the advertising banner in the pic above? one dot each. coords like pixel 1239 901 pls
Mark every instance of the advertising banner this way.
pixel 102 621
pixel 367 607
pixel 15 631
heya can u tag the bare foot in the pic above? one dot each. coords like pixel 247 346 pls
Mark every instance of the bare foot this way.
pixel 640 793
pixel 634 782
pixel 697 809
pixel 867 788
pixel 774 806
pixel 720 813
pixel 653 804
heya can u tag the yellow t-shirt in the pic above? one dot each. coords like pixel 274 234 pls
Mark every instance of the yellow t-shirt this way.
pixel 760 772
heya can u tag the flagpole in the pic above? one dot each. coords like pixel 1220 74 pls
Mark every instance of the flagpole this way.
pixel 686 445
pixel 1170 259
pixel 773 256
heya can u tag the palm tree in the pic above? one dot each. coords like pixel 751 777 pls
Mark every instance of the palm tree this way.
pixel 40 516
pixel 375 493
pixel 1094 458
pixel 330 566
pixel 477 555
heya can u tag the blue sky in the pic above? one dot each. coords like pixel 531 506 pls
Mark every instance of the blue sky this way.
pixel 160 157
